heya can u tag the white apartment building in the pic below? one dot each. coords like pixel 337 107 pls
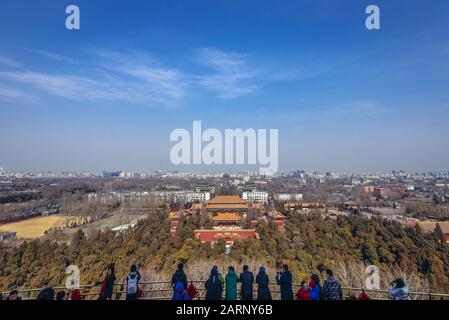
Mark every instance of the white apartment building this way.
pixel 197 196
pixel 256 197
pixel 288 197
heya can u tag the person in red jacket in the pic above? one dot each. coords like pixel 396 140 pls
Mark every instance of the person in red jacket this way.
pixel 192 291
pixel 303 292
pixel 364 296
pixel 75 295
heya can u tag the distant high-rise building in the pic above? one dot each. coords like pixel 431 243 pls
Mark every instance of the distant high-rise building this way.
pixel 107 174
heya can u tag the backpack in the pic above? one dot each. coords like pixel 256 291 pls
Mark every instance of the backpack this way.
pixel 221 279
pixel 132 285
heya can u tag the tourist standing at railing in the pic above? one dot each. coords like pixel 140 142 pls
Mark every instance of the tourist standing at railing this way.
pixel 46 294
pixel 107 287
pixel 303 292
pixel 214 286
pixel 263 290
pixel 179 276
pixel 399 290
pixel 231 280
pixel 315 290
pixel 220 276
pixel 284 280
pixel 247 280
pixel 132 283
pixel 331 287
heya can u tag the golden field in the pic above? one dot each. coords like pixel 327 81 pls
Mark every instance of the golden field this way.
pixel 33 228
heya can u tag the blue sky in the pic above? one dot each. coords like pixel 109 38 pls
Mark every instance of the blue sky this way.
pixel 108 95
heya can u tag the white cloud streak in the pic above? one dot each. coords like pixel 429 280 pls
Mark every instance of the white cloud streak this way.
pixel 9 62
pixel 139 78
pixel 10 94
pixel 116 79
pixel 53 56
pixel 232 77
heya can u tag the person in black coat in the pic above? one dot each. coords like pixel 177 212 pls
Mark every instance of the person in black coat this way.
pixel 262 280
pixel 284 279
pixel 46 294
pixel 213 285
pixel 107 286
pixel 179 277
pixel 247 279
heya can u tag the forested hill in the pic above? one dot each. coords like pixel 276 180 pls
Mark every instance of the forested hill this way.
pixel 309 245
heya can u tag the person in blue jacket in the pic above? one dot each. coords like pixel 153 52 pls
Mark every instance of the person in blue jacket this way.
pixel 314 287
pixel 180 292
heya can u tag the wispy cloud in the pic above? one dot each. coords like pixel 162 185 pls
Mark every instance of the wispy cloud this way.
pixel 140 78
pixel 231 77
pixel 366 107
pixel 141 68
pixel 53 56
pixel 9 62
pixel 65 86
pixel 10 94
pixel 108 77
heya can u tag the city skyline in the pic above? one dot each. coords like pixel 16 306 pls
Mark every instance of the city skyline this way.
pixel 107 96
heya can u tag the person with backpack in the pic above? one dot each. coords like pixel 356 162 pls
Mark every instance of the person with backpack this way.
pixel 107 286
pixel 303 292
pixel 399 290
pixel 179 276
pixel 220 276
pixel 331 287
pixel 132 283
pixel 247 279
pixel 315 290
pixel 213 285
pixel 231 280
pixel 180 293
pixel 284 280
pixel 263 290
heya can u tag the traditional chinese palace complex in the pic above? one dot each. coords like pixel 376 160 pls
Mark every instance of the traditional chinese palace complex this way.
pixel 228 214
